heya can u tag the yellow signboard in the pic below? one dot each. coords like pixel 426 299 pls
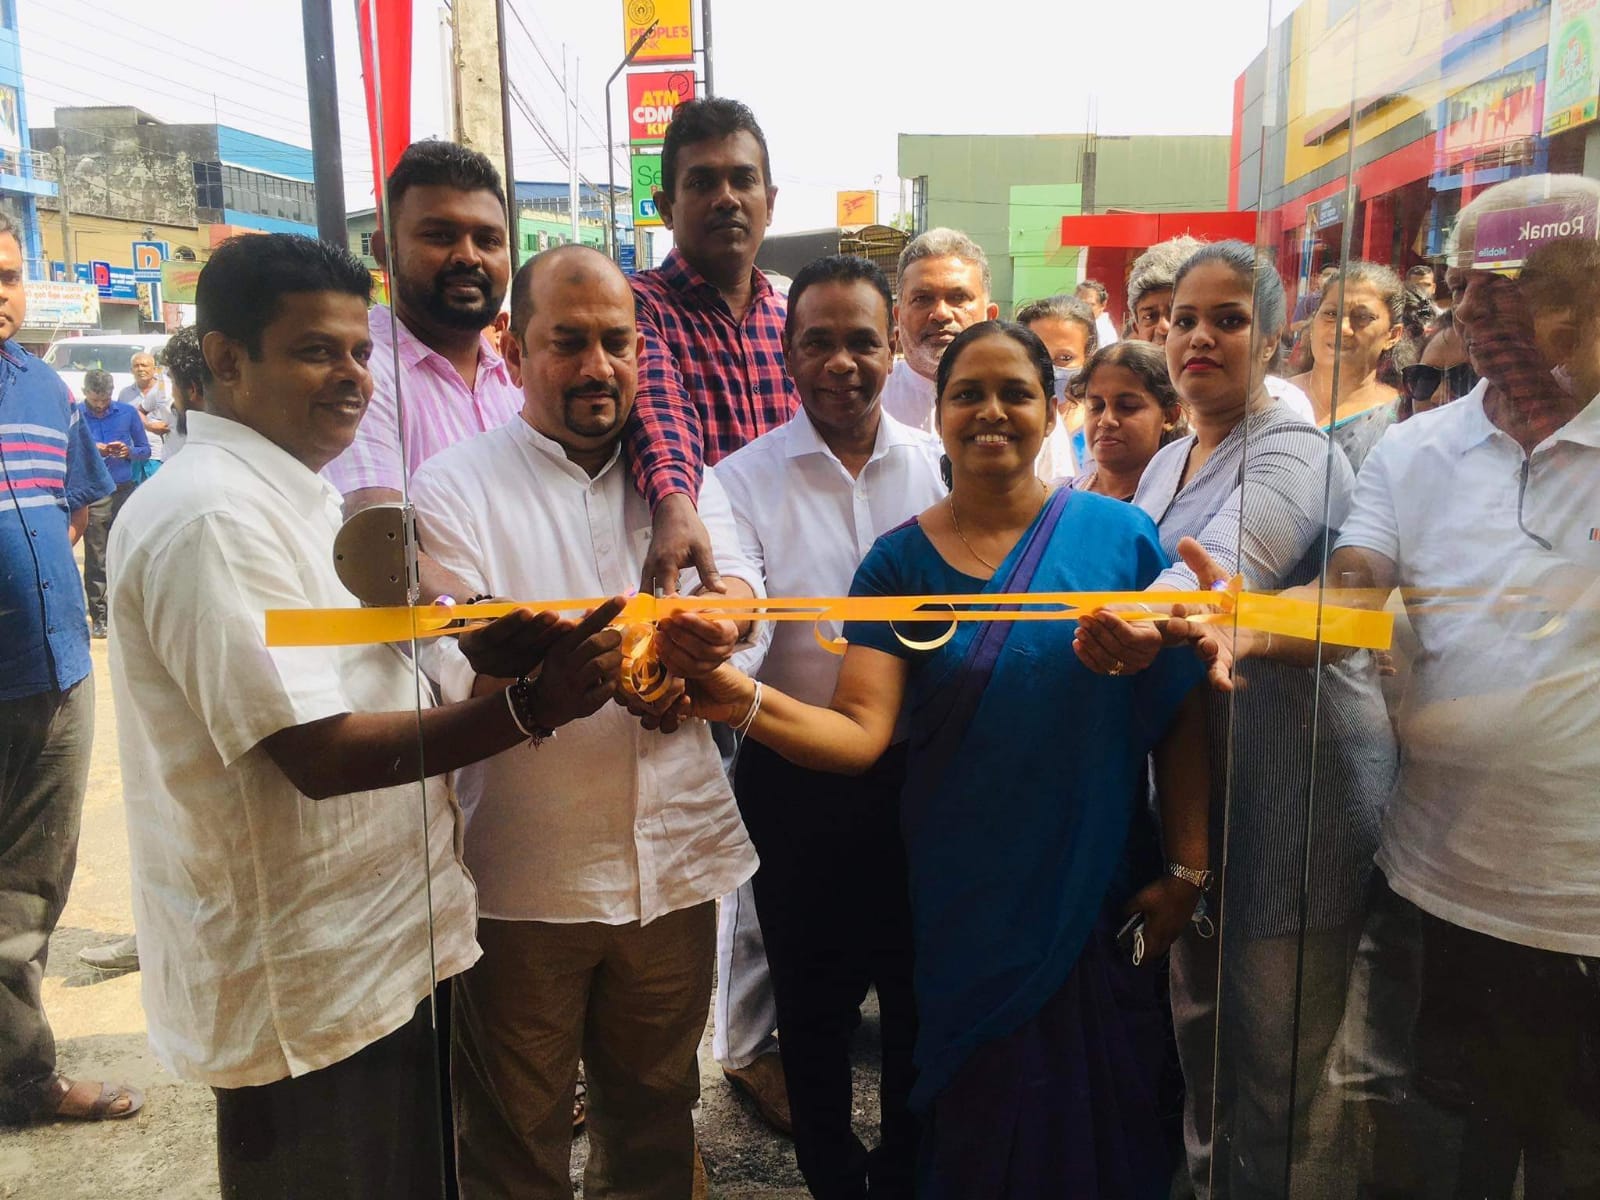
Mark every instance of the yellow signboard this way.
pixel 857 208
pixel 672 40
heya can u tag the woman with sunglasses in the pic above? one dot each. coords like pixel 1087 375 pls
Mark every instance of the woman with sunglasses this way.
pixel 1443 375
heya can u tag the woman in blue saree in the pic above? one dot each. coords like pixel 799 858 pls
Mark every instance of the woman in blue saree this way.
pixel 1040 1044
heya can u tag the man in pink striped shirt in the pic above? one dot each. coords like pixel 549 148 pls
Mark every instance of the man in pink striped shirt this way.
pixel 448 271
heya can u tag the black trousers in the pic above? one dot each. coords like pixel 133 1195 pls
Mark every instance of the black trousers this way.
pixel 833 900
pixel 365 1128
pixel 102 515
pixel 44 768
pixel 1509 1035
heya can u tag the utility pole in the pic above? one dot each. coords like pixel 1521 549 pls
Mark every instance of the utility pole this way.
pixel 611 158
pixel 705 43
pixel 67 255
pixel 571 87
pixel 322 85
pixel 483 94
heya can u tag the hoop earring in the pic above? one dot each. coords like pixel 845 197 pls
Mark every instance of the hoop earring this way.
pixel 945 473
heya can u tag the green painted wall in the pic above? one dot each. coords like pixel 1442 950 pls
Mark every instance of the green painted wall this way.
pixel 995 188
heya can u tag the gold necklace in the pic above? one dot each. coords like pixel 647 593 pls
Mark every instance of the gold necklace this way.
pixel 956 521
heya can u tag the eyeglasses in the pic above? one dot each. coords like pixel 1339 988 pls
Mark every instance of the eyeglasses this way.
pixel 1421 382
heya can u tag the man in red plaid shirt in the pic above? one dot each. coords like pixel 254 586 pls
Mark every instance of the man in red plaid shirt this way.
pixel 711 377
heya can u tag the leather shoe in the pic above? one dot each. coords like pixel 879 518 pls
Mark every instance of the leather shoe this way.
pixel 122 955
pixel 762 1081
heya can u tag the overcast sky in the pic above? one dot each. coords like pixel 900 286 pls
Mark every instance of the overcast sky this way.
pixel 832 81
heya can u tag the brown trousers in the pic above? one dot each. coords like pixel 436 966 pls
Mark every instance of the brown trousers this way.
pixel 632 1002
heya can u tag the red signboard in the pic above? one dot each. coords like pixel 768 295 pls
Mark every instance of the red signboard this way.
pixel 652 97
pixel 1146 229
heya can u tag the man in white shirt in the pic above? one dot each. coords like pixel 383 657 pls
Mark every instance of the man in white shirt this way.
pixel 1093 293
pixel 149 398
pixel 296 886
pixel 598 854
pixel 944 287
pixel 810 498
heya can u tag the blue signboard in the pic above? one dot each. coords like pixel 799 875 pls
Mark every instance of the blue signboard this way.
pixel 113 283
pixel 147 260
pixel 627 258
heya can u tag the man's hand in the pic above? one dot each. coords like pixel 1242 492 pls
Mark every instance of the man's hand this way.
pixel 116 449
pixel 581 668
pixel 691 646
pixel 665 714
pixel 514 644
pixel 678 539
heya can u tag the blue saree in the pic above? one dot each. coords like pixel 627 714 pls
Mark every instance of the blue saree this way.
pixel 1025 774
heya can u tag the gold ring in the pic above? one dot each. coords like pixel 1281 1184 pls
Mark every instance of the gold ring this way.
pixel 1116 668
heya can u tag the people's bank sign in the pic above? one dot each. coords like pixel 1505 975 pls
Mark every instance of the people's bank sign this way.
pixel 653 96
pixel 672 39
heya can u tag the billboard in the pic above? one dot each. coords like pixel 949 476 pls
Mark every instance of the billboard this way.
pixel 645 171
pixel 1572 81
pixel 673 39
pixel 62 305
pixel 178 279
pixel 147 260
pixel 652 97
pixel 856 208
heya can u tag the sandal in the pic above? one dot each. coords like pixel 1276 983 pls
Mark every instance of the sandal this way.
pixel 86 1100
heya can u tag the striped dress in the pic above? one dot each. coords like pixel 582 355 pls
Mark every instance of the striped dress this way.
pixel 1299 761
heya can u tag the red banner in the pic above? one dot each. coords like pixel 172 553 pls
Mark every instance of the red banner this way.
pixel 652 97
pixel 385 37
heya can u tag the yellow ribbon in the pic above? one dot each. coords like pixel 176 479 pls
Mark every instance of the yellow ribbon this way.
pixel 1284 616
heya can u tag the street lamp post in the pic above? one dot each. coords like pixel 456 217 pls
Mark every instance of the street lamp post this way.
pixel 611 157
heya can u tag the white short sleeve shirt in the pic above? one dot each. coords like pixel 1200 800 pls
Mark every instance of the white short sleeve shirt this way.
pixel 1495 821
pixel 277 934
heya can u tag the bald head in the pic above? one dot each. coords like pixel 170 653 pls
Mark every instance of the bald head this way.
pixel 566 268
pixel 575 353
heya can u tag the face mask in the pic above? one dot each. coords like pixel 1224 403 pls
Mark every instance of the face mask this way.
pixel 1064 378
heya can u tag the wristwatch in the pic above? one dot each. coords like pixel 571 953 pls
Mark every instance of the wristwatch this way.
pixel 1200 879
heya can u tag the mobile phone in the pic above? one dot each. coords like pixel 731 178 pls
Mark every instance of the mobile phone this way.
pixel 1130 939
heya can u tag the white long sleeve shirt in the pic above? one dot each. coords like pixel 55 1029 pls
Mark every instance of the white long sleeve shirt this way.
pixel 605 822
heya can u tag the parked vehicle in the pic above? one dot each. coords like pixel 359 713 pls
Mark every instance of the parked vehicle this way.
pixel 73 357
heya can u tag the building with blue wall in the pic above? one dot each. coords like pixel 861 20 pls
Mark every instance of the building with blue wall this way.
pixel 21 186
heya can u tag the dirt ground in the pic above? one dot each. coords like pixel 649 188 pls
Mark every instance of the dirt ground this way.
pixel 168 1150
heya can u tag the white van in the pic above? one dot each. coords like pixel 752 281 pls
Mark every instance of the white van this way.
pixel 73 357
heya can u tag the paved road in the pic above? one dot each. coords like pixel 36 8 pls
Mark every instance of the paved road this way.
pixel 168 1150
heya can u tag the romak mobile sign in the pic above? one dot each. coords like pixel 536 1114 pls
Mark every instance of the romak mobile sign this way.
pixel 673 39
pixel 652 98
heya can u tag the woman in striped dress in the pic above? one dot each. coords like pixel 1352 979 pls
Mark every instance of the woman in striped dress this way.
pixel 1302 760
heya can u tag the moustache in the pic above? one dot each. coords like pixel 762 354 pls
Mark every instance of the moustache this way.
pixel 594 392
pixel 475 279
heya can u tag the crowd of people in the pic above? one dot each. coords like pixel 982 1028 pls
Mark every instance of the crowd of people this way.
pixel 1141 901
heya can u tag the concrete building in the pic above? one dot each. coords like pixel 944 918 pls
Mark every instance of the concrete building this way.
pixel 1009 193
pixel 1435 108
